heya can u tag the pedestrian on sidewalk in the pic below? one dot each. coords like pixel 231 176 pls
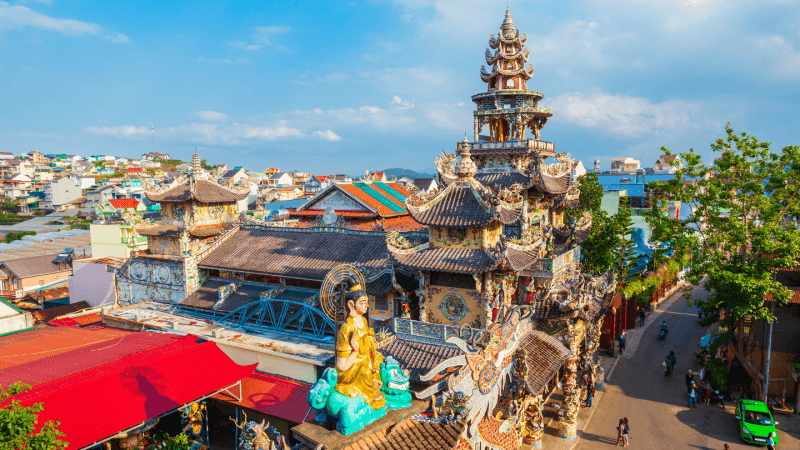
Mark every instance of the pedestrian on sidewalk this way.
pixel 641 317
pixel 621 432
pixel 674 361
pixel 727 447
pixel 693 396
pixel 689 381
pixel 623 335
pixel 707 395
pixel 589 393
pixel 667 366
pixel 771 441
pixel 627 429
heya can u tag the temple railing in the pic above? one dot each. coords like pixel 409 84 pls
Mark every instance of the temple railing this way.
pixel 525 144
pixel 414 330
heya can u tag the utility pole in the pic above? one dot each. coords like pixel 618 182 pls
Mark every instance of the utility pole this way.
pixel 769 350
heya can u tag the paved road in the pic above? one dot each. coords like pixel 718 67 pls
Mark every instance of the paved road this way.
pixel 656 407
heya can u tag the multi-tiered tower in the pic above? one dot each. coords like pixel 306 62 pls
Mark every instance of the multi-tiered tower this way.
pixel 500 242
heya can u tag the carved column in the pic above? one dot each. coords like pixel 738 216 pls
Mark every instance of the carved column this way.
pixel 477 129
pixel 533 428
pixel 568 421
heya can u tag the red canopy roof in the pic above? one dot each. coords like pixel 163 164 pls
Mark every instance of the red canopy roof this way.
pixel 276 396
pixel 100 401
pixel 124 203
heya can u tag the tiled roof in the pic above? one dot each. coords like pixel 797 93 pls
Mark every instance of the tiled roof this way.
pixel 339 212
pixel 161 230
pixel 411 434
pixel 208 230
pixel 35 266
pixel 455 260
pixel 322 178
pixel 419 358
pixel 46 315
pixel 54 293
pixel 489 431
pixel 544 355
pixel 87 319
pixel 503 180
pixel 206 295
pixel 562 234
pixel 204 191
pixel 509 214
pixel 134 169
pixel 552 185
pixel 793 299
pixel 297 253
pixel 387 208
pixel 124 203
pixel 458 207
pixel 519 259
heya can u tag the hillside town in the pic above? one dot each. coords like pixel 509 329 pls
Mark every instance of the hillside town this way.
pixel 149 300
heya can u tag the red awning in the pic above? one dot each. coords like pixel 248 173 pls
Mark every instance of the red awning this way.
pixel 100 401
pixel 276 396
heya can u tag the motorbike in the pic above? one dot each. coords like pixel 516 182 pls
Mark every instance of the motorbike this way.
pixel 716 397
pixel 662 334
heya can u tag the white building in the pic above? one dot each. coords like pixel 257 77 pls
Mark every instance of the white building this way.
pixel 663 164
pixel 577 170
pixel 625 165
pixel 60 192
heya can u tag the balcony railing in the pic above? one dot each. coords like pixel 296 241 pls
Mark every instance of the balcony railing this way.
pixel 11 293
pixel 431 331
pixel 525 144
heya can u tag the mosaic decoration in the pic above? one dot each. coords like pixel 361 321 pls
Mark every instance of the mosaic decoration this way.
pixel 488 378
pixel 195 425
pixel 259 436
pixel 454 307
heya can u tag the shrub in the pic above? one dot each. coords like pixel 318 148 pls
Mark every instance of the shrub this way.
pixel 717 375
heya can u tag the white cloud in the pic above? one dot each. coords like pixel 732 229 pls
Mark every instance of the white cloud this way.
pixel 328 135
pixel 272 132
pixel 779 54
pixel 264 34
pixel 628 116
pixel 335 77
pixel 21 16
pixel 211 116
pixel 244 45
pixel 121 131
pixel 119 38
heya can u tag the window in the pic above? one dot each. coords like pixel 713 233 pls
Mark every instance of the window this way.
pixel 382 303
pixel 56 276
pixel 510 83
pixel 512 231
pixel 41 282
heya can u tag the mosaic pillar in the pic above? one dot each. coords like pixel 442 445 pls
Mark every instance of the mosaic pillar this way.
pixel 598 374
pixel 533 429
pixel 568 417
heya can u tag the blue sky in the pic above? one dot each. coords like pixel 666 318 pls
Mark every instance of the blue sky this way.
pixel 331 87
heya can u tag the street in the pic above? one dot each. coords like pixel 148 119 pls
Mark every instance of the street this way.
pixel 656 407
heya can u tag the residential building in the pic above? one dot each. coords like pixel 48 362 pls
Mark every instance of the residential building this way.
pixel 426 184
pixel 183 168
pixel 272 171
pixel 60 192
pixel 316 184
pixel 17 185
pixel 406 182
pixel 97 195
pixel 269 194
pixel 375 176
pixel 625 165
pixel 155 156
pixel 18 277
pixel 36 157
pixel 120 207
pixel 149 164
pixel 577 170
pixel 109 158
pixel 281 179
pixel 220 169
pixel 663 164
pixel 83 182
pixel 234 175
pixel 82 168
pixel 115 240
pixel 299 178
pixel 12 318
pixel 341 178
pixel 43 175
pixel 596 167
pixel 23 167
pixel 92 280
pixel 6 155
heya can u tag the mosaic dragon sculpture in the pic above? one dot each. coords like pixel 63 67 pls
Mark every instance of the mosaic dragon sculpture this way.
pixel 194 426
pixel 259 436
pixel 352 414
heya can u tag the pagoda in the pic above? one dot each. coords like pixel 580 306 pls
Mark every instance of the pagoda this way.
pixel 502 259
pixel 197 215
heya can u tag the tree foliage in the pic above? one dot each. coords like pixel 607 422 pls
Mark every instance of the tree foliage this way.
pixel 624 252
pixel 741 227
pixel 18 424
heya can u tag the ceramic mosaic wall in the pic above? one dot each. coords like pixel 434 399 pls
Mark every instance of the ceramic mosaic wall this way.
pixel 455 237
pixel 163 245
pixel 492 233
pixel 455 306
pixel 142 279
pixel 204 213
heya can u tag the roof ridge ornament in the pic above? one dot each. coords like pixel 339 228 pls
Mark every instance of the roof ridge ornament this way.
pixel 465 168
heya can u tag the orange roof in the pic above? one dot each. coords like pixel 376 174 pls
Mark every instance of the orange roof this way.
pixel 276 396
pixel 44 342
pixel 794 299
pixel 322 178
pixel 87 319
pixel 370 201
pixel 124 203
pixel 134 169
pixel 398 187
pixel 341 212
pixel 389 196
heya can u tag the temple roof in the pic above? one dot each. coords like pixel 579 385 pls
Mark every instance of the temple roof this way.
pixel 544 355
pixel 295 252
pixel 203 191
pixel 418 357
pixel 467 261
pixel 200 231
pixel 503 180
pixel 549 184
pixel 459 205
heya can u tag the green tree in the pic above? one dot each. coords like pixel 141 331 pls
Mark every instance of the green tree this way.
pixel 625 254
pixel 18 424
pixel 598 249
pixel 739 231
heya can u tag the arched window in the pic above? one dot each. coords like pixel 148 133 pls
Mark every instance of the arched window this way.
pixel 510 83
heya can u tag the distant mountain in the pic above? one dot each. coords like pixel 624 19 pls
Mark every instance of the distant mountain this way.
pixel 400 173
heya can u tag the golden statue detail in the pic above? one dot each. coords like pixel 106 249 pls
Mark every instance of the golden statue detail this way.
pixel 358 362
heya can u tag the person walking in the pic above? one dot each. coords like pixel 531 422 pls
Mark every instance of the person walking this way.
pixel 667 366
pixel 627 429
pixel 641 317
pixel 689 380
pixel 707 395
pixel 771 441
pixel 623 335
pixel 674 361
pixel 621 432
pixel 589 393
pixel 727 447
pixel 693 396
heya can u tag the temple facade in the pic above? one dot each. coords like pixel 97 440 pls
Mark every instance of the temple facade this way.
pixel 502 315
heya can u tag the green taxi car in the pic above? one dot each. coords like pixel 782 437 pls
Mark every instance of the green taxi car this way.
pixel 755 422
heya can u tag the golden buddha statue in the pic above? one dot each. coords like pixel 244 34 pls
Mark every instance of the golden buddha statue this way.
pixel 357 359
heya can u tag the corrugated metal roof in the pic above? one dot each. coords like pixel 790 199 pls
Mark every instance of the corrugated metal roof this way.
pixel 276 396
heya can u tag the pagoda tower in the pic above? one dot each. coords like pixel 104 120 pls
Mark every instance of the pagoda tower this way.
pixel 499 242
